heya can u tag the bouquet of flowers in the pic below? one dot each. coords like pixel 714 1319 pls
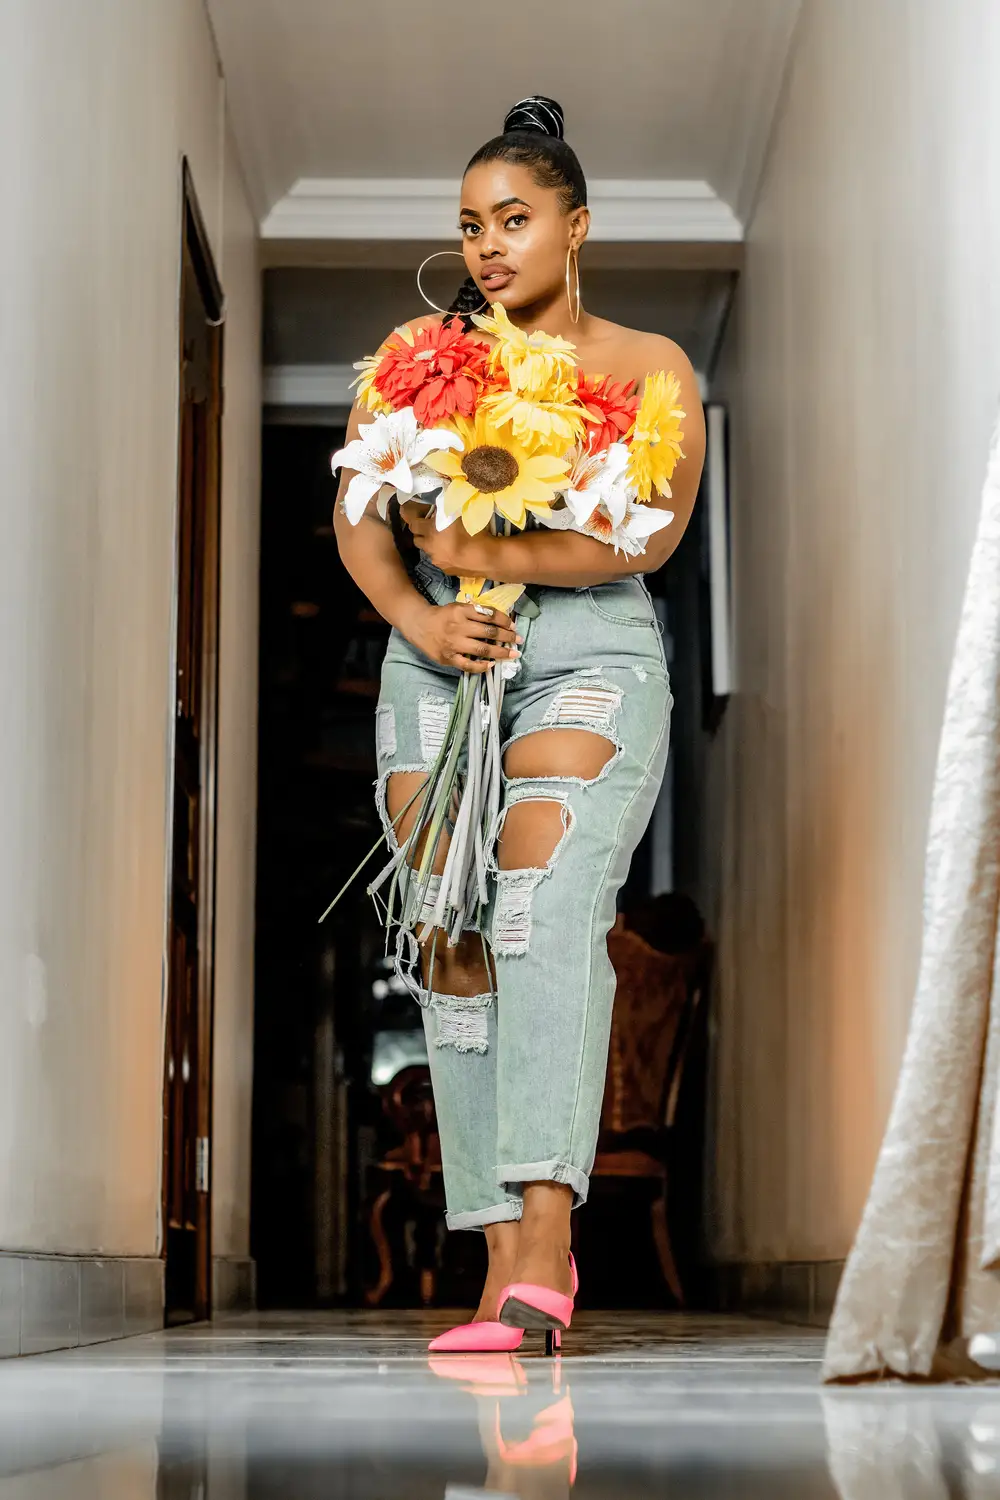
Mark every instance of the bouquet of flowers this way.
pixel 492 435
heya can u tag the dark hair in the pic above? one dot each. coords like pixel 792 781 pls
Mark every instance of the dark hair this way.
pixel 532 137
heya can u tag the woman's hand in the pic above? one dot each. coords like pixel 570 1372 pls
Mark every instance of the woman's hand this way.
pixel 460 635
pixel 453 550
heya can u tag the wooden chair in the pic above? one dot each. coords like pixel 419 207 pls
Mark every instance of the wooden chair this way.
pixel 659 1002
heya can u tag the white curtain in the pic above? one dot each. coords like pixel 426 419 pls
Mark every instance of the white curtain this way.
pixel 924 1273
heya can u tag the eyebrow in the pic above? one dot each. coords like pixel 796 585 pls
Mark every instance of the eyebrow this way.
pixel 470 213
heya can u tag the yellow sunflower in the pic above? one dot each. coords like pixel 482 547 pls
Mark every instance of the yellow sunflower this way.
pixel 539 424
pixel 655 445
pixel 536 364
pixel 495 472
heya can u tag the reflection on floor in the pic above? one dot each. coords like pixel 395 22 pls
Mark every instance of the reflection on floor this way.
pixel 348 1404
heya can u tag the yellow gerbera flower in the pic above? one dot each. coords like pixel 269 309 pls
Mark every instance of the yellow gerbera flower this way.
pixel 538 424
pixel 536 364
pixel 366 389
pixel 495 472
pixel 655 444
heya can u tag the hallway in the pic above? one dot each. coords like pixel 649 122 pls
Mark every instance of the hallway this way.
pixel 345 1404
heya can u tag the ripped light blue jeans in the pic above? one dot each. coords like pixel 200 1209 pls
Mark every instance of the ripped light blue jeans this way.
pixel 518 1085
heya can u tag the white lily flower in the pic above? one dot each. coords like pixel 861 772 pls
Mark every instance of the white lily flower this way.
pixel 599 479
pixel 388 456
pixel 640 522
pixel 599 503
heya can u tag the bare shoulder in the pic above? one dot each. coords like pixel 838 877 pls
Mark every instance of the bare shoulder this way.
pixel 653 351
pixel 632 354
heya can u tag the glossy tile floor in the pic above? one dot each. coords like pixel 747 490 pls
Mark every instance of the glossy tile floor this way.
pixel 349 1405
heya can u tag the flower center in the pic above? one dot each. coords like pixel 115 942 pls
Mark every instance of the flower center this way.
pixel 490 469
pixel 387 460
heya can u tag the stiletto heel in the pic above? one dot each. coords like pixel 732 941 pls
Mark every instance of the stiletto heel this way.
pixel 525 1305
pixel 553 1340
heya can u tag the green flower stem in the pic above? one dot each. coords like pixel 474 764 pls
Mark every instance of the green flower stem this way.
pixel 372 850
pixel 448 781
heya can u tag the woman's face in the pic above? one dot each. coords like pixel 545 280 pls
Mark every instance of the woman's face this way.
pixel 516 236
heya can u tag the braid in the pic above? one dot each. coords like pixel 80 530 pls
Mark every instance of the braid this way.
pixel 468 299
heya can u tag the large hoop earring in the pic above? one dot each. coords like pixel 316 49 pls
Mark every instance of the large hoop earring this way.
pixel 445 310
pixel 573 253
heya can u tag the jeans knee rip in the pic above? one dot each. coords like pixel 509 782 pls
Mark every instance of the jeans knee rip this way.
pixel 462 1021
pixel 381 796
pixel 515 889
pixel 433 713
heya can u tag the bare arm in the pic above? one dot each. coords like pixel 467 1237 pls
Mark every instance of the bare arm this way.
pixel 566 558
pixel 452 634
pixel 371 557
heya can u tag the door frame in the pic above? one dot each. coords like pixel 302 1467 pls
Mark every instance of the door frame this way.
pixel 195 249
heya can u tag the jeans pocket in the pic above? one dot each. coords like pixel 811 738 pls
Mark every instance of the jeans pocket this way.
pixel 622 602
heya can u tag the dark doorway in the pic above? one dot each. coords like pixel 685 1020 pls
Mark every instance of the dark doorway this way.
pixel 187 1089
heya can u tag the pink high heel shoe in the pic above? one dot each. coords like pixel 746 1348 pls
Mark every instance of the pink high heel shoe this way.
pixel 477 1338
pixel 525 1305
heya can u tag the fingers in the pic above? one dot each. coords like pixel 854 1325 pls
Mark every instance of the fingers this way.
pixel 495 626
pixel 484 630
pixel 471 664
pixel 478 616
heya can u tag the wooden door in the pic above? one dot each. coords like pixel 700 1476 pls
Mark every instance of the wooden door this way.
pixel 187 1094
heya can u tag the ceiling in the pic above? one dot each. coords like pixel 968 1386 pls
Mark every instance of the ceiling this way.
pixel 661 90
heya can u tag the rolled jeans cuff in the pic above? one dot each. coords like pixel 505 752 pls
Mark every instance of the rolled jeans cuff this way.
pixel 478 1218
pixel 512 1178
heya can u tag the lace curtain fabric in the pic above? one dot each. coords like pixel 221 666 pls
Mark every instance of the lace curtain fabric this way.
pixel 924 1273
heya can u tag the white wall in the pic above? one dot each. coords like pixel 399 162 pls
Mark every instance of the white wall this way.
pixel 863 371
pixel 97 104
pixel 237 803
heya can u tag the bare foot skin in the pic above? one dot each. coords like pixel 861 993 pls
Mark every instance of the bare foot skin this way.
pixel 544 1242
pixel 502 1241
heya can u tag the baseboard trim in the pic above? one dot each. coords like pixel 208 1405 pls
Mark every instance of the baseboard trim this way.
pixel 792 1291
pixel 50 1302
pixel 234 1284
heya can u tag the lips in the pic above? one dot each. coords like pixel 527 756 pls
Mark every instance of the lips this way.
pixel 494 278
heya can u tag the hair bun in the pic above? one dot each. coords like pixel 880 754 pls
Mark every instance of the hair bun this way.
pixel 535 115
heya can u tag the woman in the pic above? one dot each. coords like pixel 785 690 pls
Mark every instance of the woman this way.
pixel 518 1086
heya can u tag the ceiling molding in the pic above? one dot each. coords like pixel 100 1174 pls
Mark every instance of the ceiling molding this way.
pixel 424 209
pixel 330 385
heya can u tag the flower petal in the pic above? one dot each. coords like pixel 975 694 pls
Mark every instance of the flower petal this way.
pixel 646 519
pixel 349 457
pixel 444 462
pixel 510 503
pixel 458 494
pixel 546 466
pixel 477 513
pixel 360 490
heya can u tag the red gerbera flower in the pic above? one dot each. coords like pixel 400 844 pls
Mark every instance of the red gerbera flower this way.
pixel 438 370
pixel 610 409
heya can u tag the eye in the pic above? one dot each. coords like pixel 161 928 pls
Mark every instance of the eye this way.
pixel 516 221
pixel 469 230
